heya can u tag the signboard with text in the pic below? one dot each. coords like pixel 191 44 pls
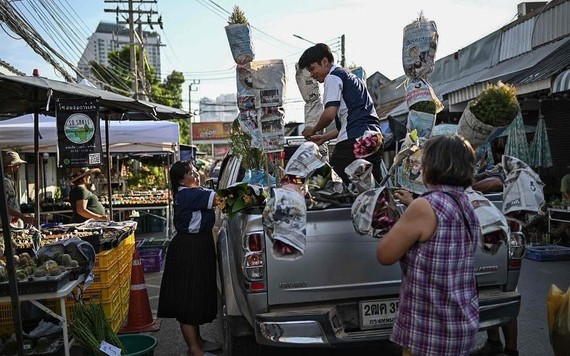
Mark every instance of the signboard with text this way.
pixel 78 133
pixel 211 130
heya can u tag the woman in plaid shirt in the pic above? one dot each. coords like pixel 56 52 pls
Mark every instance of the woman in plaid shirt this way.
pixel 435 241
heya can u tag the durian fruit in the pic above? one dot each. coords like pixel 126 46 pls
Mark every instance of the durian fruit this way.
pixel 52 268
pixel 73 264
pixel 41 271
pixel 3 274
pixel 42 344
pixel 21 275
pixel 65 260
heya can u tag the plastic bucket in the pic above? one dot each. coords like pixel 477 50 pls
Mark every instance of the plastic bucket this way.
pixel 138 344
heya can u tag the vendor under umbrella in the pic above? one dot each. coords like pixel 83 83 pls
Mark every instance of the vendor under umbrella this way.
pixel 84 203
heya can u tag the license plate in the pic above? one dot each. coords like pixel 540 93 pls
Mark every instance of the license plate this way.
pixel 378 313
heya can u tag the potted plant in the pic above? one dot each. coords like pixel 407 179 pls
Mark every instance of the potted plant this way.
pixel 493 110
pixel 239 37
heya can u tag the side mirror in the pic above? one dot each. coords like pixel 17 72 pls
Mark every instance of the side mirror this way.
pixel 211 183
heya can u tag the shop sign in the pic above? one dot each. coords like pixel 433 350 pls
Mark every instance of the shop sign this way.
pixel 78 133
pixel 211 130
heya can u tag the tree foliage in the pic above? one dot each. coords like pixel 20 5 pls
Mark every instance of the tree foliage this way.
pixel 117 77
pixel 237 16
pixel 240 145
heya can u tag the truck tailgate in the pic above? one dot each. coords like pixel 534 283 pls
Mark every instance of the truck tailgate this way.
pixel 337 264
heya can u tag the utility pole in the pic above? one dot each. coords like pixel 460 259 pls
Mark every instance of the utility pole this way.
pixel 137 72
pixel 342 58
pixel 193 86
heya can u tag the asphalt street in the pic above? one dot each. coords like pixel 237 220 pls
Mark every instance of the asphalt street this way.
pixel 534 285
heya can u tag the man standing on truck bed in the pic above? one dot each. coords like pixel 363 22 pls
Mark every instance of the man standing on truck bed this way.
pixel 348 103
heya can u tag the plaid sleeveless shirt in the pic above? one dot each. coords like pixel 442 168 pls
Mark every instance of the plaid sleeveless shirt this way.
pixel 439 309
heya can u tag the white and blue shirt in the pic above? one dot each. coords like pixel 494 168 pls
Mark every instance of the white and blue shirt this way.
pixel 193 210
pixel 356 112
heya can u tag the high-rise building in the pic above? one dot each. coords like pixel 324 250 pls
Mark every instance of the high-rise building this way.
pixel 223 108
pixel 112 37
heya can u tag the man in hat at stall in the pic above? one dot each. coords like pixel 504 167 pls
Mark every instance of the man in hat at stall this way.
pixel 84 203
pixel 11 163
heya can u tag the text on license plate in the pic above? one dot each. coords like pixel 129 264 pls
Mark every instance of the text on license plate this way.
pixel 378 313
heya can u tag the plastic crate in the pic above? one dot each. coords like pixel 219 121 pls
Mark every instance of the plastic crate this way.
pixel 103 277
pixel 110 307
pixel 152 260
pixel 152 243
pixel 7 316
pixel 124 306
pixel 106 258
pixel 126 257
pixel 548 253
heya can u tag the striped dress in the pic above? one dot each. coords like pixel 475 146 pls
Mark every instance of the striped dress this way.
pixel 439 311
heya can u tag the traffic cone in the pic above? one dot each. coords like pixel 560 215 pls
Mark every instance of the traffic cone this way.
pixel 140 318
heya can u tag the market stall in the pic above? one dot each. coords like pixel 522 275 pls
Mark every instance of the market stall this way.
pixel 36 95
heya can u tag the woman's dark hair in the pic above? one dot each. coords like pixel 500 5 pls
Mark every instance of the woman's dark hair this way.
pixel 315 54
pixel 177 172
pixel 448 160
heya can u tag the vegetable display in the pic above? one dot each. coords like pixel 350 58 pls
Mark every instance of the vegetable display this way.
pixel 90 328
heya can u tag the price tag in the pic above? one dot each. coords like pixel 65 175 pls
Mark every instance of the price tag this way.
pixel 109 349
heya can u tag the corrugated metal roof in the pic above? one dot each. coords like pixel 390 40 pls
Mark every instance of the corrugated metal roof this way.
pixel 562 82
pixel 507 69
pixel 552 22
pixel 552 64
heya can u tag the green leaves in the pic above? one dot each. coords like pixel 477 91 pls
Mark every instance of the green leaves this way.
pixel 237 198
pixel 497 105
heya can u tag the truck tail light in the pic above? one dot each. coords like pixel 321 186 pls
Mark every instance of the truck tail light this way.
pixel 253 265
pixel 253 242
pixel 517 249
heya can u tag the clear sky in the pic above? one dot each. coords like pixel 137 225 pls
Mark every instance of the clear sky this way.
pixel 196 43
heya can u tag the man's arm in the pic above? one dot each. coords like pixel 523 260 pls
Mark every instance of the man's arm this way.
pixel 327 116
pixel 27 218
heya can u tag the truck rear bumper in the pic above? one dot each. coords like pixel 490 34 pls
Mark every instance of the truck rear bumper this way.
pixel 497 307
pixel 314 327
pixel 321 327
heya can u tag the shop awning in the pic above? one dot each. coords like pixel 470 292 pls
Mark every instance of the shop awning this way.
pixel 561 82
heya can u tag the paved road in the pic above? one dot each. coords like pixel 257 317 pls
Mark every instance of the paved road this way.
pixel 535 282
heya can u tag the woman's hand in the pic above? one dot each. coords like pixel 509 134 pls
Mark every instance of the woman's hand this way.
pixel 403 196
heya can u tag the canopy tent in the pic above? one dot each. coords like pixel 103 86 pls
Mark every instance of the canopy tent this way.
pixel 27 94
pixel 124 136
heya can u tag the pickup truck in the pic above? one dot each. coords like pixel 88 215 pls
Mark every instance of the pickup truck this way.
pixel 336 294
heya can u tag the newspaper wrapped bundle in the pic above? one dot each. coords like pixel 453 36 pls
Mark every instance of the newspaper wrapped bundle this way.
pixel 409 172
pixel 419 47
pixel 523 188
pixel 304 160
pixel 239 38
pixel 285 217
pixel 368 144
pixel 238 197
pixel 359 173
pixel 374 212
pixel 494 226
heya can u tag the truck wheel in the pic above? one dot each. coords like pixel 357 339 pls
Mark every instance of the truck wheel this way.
pixel 243 344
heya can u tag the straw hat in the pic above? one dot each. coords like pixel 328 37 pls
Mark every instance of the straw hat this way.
pixel 11 158
pixel 85 171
